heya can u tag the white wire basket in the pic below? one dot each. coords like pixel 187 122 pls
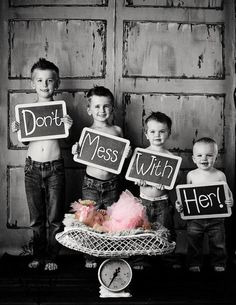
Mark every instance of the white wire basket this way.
pixel 125 243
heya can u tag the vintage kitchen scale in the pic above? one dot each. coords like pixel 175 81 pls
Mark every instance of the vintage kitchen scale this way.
pixel 115 273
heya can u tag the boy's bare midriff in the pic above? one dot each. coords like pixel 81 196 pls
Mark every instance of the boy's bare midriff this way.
pixel 99 173
pixel 152 191
pixel 44 151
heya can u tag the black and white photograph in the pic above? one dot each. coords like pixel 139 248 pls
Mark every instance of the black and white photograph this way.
pixel 118 150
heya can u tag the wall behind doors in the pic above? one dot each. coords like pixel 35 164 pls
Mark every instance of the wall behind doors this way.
pixel 172 56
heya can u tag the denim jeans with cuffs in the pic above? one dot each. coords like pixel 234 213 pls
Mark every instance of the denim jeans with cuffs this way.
pixel 44 185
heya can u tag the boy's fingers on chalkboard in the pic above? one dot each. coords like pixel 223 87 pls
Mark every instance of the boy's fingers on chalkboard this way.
pixel 178 206
pixel 15 126
pixel 140 182
pixel 74 148
pixel 161 187
pixel 229 202
pixel 67 120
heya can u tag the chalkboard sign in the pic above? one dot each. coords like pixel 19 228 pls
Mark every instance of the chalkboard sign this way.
pixel 41 121
pixel 102 150
pixel 203 201
pixel 155 168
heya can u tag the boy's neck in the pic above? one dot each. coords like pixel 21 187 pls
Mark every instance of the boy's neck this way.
pixel 97 124
pixel 43 100
pixel 206 171
pixel 160 149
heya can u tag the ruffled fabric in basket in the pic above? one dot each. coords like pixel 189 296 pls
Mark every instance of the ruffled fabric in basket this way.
pixel 125 214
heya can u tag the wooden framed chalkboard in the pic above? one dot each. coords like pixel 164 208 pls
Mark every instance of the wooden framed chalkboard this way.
pixel 102 150
pixel 155 168
pixel 203 201
pixel 41 121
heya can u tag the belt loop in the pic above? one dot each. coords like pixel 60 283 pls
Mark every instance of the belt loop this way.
pixel 29 162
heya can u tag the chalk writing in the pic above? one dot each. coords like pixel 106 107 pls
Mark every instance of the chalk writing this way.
pixel 155 168
pixel 102 150
pixel 41 121
pixel 207 201
pixel 203 201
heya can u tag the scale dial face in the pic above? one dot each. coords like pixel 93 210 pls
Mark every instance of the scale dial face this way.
pixel 115 274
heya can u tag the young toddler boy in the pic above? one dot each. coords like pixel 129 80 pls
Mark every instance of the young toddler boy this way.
pixel 205 152
pixel 99 185
pixel 45 175
pixel 156 198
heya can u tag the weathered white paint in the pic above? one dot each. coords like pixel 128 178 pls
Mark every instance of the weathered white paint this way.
pixel 188 113
pixel 173 50
pixel 55 40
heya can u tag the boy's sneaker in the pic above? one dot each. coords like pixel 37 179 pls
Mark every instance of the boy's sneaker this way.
pixel 194 269
pixel 219 269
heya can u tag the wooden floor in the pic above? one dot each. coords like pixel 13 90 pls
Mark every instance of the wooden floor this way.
pixel 72 284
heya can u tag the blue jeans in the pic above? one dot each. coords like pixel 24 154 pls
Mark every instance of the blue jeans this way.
pixel 215 230
pixel 44 185
pixel 104 193
pixel 160 211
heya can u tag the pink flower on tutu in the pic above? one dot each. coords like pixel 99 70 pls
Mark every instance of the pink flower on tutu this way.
pixel 84 209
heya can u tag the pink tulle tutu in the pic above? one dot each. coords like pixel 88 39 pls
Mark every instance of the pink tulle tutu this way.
pixel 125 214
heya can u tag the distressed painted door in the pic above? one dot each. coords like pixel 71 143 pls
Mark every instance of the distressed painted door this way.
pixel 172 56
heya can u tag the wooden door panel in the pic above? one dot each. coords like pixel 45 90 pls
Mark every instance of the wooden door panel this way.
pixel 154 49
pixel 188 113
pixel 19 3
pixel 175 3
pixel 55 39
pixel 17 208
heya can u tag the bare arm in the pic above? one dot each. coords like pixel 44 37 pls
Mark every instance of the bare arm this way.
pixel 189 178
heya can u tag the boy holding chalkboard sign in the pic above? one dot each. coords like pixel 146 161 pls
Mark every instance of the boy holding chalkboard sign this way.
pixel 100 185
pixel 44 175
pixel 155 198
pixel 205 151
